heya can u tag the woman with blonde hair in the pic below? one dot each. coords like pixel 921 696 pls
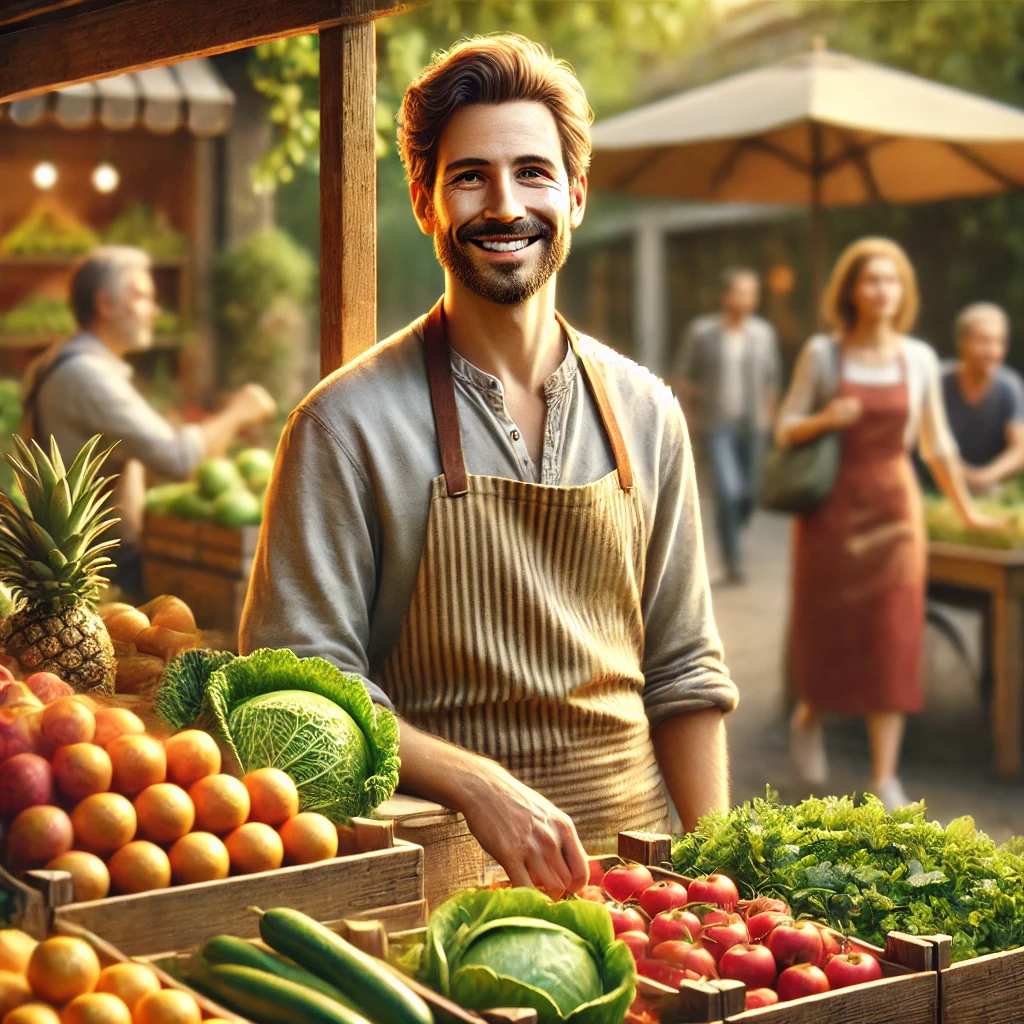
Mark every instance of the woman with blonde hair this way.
pixel 859 561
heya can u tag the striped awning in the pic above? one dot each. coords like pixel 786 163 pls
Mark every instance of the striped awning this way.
pixel 160 99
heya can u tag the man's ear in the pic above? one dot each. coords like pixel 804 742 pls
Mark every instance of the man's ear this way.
pixel 422 207
pixel 577 201
pixel 103 304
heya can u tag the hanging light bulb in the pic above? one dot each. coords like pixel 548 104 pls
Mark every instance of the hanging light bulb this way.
pixel 44 175
pixel 105 177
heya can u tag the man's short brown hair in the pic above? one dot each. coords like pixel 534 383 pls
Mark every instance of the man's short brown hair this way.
pixel 500 68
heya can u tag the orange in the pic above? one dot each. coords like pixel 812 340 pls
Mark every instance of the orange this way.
pixel 15 949
pixel 168 1006
pixel 129 982
pixel 139 761
pixel 68 720
pixel 254 847
pixel 165 812
pixel 191 756
pixel 199 857
pixel 96 1008
pixel 14 991
pixel 32 1013
pixel 114 722
pixel 273 797
pixel 124 628
pixel 61 968
pixel 139 867
pixel 88 874
pixel 81 769
pixel 308 837
pixel 221 802
pixel 103 822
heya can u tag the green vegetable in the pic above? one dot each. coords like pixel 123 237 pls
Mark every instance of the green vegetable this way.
pixel 180 698
pixel 255 465
pixel 191 505
pixel 365 980
pixel 38 316
pixel 227 949
pixel 514 947
pixel 268 999
pixel 305 716
pixel 216 477
pixel 866 871
pixel 238 507
pixel 48 229
pixel 148 229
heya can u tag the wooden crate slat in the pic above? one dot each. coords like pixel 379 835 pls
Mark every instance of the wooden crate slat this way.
pixel 985 990
pixel 216 600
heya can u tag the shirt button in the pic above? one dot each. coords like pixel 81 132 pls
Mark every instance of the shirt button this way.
pixel 494 385
pixel 515 435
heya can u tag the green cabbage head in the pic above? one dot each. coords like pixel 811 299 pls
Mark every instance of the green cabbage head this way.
pixel 515 948
pixel 304 716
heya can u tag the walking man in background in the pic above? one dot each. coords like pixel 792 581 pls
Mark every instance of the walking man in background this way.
pixel 985 399
pixel 728 375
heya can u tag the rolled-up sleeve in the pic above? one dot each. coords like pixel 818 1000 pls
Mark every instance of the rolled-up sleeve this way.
pixel 108 404
pixel 314 573
pixel 804 388
pixel 683 662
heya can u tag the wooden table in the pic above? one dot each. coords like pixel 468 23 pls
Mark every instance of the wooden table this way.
pixel 997 575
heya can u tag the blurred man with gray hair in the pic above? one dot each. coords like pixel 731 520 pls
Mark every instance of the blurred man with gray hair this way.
pixel 83 387
pixel 984 398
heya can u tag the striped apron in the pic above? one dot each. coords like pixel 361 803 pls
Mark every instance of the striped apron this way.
pixel 524 637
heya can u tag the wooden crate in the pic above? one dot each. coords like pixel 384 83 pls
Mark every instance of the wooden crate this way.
pixel 216 599
pixel 452 859
pixel 375 875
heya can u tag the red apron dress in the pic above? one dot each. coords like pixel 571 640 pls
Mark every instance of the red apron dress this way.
pixel 859 570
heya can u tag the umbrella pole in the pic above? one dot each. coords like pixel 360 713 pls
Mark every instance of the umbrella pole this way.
pixel 817 226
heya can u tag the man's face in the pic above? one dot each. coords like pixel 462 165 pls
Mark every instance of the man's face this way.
pixel 131 312
pixel 742 296
pixel 502 208
pixel 983 344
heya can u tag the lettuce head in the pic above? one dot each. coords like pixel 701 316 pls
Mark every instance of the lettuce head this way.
pixel 302 715
pixel 515 948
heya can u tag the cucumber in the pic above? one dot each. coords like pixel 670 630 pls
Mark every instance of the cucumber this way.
pixel 227 949
pixel 369 984
pixel 267 999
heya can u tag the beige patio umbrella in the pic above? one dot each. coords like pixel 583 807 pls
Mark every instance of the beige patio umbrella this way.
pixel 820 129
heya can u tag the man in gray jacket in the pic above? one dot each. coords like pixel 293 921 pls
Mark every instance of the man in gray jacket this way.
pixel 728 377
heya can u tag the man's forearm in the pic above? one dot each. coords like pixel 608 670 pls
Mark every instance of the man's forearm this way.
pixel 1009 462
pixel 694 761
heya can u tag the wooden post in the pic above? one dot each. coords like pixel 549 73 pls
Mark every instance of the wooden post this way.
pixel 650 848
pixel 348 194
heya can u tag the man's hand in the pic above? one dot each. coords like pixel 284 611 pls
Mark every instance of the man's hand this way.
pixel 526 834
pixel 251 404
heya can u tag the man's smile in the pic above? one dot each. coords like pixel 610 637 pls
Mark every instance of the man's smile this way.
pixel 504 244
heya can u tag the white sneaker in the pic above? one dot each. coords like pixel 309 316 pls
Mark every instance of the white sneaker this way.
pixel 892 794
pixel 807 750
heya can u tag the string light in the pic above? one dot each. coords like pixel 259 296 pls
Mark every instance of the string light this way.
pixel 105 177
pixel 44 175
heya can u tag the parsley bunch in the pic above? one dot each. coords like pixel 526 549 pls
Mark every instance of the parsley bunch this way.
pixel 868 872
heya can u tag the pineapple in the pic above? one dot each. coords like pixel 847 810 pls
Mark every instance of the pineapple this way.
pixel 52 560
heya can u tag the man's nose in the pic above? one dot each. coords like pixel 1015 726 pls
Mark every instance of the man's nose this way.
pixel 502 202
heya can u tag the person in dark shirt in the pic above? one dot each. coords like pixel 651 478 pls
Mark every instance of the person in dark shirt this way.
pixel 985 399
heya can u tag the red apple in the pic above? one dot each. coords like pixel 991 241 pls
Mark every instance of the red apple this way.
pixel 764 904
pixel 637 942
pixel 832 944
pixel 758 997
pixel 667 974
pixel 662 896
pixel 25 781
pixel 717 917
pixel 801 980
pixel 716 889
pixel 626 881
pixel 722 935
pixel 596 871
pixel 6 675
pixel 796 943
pixel 592 894
pixel 753 965
pixel 47 686
pixel 847 969
pixel 626 919
pixel 686 954
pixel 21 731
pixel 675 924
pixel 762 925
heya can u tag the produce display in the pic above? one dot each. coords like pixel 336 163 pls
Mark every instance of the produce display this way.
pixel 225 491
pixel 309 974
pixel 52 559
pixel 38 316
pixel 86 790
pixel 48 230
pixel 943 522
pixel 150 229
pixel 273 709
pixel 61 981
pixel 868 872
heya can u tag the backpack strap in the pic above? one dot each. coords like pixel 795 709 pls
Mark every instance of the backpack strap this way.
pixel 30 410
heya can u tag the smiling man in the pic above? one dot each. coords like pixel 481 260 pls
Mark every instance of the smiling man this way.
pixel 493 520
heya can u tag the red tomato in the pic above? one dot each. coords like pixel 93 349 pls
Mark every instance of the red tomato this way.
pixel 847 969
pixel 662 896
pixel 753 965
pixel 687 954
pixel 719 936
pixel 801 980
pixel 715 889
pixel 626 881
pixel 626 919
pixel 758 997
pixel 675 924
pixel 796 943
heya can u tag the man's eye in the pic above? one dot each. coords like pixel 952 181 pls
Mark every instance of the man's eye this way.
pixel 469 176
pixel 531 172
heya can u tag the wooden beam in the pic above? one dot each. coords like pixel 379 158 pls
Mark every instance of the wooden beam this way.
pixel 21 10
pixel 137 34
pixel 348 194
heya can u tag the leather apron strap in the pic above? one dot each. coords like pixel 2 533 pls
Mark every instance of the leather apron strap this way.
pixel 446 414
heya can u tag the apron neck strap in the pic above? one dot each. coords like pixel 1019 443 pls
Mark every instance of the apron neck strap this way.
pixel 446 415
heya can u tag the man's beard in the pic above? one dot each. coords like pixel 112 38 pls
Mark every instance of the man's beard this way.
pixel 132 332
pixel 505 284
